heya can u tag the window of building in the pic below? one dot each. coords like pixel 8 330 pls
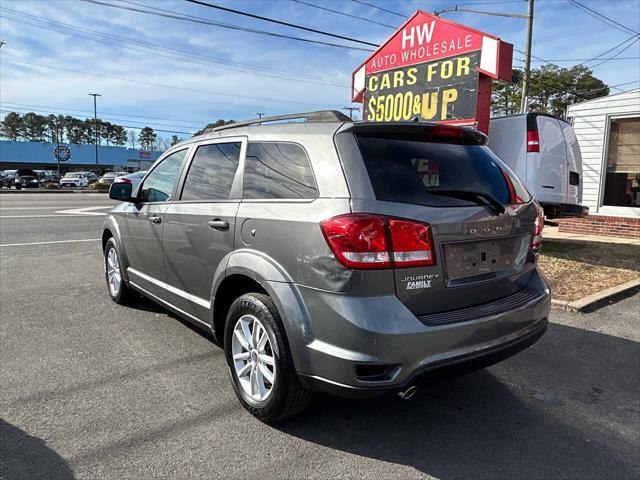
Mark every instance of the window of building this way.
pixel 278 170
pixel 211 172
pixel 622 184
pixel 159 184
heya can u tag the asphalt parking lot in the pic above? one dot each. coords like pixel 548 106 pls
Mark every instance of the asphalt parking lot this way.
pixel 94 390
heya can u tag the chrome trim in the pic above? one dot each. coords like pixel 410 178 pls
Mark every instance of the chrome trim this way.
pixel 176 291
pixel 170 305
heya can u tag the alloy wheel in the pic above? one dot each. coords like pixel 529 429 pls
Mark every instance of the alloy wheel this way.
pixel 113 271
pixel 253 358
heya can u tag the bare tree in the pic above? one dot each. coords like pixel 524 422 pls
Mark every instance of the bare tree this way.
pixel 131 135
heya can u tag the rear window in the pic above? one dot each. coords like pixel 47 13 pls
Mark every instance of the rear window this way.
pixel 411 170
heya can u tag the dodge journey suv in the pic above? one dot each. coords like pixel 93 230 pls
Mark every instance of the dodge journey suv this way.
pixel 331 255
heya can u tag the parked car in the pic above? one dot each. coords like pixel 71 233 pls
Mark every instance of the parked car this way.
pixel 544 152
pixel 74 179
pixel 133 178
pixel 333 256
pixel 25 178
pixel 47 176
pixel 109 177
pixel 22 178
pixel 91 177
pixel 7 178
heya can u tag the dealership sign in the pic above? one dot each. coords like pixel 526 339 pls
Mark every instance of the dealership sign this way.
pixel 433 70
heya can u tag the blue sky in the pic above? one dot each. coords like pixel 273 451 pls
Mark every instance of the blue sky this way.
pixel 202 73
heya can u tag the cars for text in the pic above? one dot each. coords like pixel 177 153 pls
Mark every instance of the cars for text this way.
pixel 335 256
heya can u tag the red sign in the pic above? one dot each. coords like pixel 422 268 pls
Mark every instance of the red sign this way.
pixel 432 69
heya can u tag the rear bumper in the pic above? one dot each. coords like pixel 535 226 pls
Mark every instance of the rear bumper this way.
pixel 348 340
pixel 553 210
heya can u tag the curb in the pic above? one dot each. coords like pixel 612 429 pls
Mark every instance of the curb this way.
pixel 596 300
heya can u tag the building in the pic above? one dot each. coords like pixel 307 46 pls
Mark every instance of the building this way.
pixel 608 131
pixel 41 156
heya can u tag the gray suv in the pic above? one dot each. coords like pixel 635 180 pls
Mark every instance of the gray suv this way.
pixel 336 256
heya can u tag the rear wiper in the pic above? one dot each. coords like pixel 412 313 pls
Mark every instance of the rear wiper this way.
pixel 478 197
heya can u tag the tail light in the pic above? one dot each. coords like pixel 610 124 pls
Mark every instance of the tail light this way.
pixel 536 239
pixel 533 141
pixel 364 241
pixel 123 180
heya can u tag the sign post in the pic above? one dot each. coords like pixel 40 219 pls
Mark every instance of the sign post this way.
pixel 432 69
pixel 62 154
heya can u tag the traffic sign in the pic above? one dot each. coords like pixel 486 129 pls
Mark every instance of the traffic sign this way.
pixel 62 153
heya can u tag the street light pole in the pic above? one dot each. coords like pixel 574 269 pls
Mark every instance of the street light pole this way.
pixel 95 121
pixel 351 110
pixel 527 61
pixel 260 114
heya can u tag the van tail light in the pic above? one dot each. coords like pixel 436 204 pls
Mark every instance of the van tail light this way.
pixel 364 241
pixel 533 141
pixel 536 238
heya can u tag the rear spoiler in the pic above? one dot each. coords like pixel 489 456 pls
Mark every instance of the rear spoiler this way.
pixel 418 131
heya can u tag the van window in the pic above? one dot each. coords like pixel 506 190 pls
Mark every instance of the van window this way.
pixel 410 170
pixel 551 138
pixel 211 172
pixel 158 186
pixel 278 170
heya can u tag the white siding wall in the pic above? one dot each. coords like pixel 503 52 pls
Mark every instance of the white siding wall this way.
pixel 591 124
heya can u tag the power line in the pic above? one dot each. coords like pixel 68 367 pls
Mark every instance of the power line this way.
pixel 174 87
pixel 586 59
pixel 63 28
pixel 104 116
pixel 184 57
pixel 380 8
pixel 124 126
pixel 620 52
pixel 280 22
pixel 190 18
pixel 603 18
pixel 105 113
pixel 344 14
pixel 598 57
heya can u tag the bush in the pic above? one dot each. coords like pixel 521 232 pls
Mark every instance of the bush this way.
pixel 100 187
pixel 51 186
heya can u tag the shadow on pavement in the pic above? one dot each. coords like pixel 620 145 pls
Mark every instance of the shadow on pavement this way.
pixel 23 456
pixel 564 416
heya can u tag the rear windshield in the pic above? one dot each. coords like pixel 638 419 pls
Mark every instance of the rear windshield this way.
pixel 409 170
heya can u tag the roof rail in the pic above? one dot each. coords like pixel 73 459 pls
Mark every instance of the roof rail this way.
pixel 319 116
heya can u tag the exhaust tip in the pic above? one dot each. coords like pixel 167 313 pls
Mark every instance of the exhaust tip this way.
pixel 408 393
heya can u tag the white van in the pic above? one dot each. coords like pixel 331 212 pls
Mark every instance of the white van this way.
pixel 544 152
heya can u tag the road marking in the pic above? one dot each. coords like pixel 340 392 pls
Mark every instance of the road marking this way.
pixel 85 211
pixel 47 207
pixel 37 216
pixel 49 243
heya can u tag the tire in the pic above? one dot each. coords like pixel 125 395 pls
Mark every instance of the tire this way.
pixel 122 295
pixel 287 396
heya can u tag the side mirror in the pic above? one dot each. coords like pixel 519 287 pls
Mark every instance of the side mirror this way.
pixel 121 192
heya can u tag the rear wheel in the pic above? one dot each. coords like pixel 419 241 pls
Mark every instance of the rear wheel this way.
pixel 118 290
pixel 259 359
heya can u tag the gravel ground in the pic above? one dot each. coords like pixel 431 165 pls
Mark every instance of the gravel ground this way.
pixel 576 270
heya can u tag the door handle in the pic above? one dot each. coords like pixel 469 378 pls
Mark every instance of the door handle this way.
pixel 218 224
pixel 154 219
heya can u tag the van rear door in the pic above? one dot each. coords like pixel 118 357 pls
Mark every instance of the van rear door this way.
pixel 547 170
pixel 574 161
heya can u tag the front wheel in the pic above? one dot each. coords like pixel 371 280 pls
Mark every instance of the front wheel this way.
pixel 262 371
pixel 118 290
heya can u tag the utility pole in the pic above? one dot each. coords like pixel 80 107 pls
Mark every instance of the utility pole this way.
pixel 527 61
pixel 95 121
pixel 351 110
pixel 260 114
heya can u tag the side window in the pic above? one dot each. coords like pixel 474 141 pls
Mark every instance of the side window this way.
pixel 211 172
pixel 158 186
pixel 278 170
